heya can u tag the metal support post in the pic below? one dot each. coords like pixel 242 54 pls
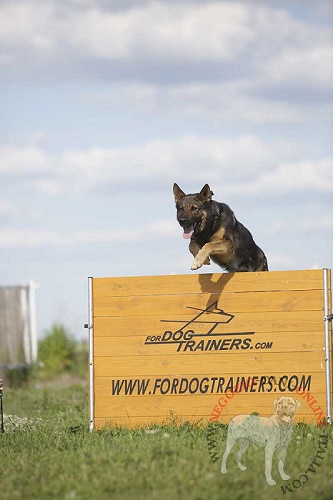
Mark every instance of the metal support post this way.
pixel 328 352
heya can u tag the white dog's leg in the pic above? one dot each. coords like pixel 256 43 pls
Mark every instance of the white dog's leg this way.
pixel 230 443
pixel 268 465
pixel 243 444
pixel 281 458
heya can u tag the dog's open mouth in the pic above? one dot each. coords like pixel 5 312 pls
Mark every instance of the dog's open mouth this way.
pixel 190 230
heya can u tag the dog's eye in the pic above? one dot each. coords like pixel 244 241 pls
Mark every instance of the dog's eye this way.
pixel 194 209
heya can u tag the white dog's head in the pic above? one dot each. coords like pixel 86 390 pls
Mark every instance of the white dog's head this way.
pixel 285 408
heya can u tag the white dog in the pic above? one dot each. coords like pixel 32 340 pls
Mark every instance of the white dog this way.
pixel 272 433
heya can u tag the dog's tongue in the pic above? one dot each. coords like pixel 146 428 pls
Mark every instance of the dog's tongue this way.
pixel 188 231
pixel 286 419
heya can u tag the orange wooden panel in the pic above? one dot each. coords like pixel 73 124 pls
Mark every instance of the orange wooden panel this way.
pixel 292 321
pixel 272 383
pixel 202 406
pixel 269 342
pixel 153 422
pixel 209 283
pixel 267 326
pixel 227 362
pixel 170 306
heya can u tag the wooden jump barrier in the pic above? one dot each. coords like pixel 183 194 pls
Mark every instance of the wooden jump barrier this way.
pixel 185 348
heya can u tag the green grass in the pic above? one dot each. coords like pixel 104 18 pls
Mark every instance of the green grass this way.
pixel 47 452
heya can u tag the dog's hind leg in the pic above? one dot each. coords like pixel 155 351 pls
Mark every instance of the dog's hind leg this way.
pixel 281 459
pixel 268 465
pixel 230 443
pixel 243 444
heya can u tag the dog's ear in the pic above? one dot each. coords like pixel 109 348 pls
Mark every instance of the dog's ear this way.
pixel 275 402
pixel 178 193
pixel 206 194
pixel 297 403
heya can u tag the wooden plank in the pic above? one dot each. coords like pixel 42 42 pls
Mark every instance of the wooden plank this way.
pixel 299 321
pixel 202 406
pixel 274 383
pixel 134 345
pixel 209 283
pixel 170 307
pixel 149 422
pixel 251 362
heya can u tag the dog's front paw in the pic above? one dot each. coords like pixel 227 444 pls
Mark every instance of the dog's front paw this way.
pixel 198 262
pixel 196 265
pixel 270 481
pixel 241 466
pixel 223 470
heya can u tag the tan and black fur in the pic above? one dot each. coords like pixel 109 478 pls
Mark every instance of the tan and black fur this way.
pixel 216 234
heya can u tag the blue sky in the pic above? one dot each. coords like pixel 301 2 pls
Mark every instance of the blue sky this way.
pixel 105 104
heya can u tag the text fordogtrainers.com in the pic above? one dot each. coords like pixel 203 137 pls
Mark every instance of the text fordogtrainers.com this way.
pixel 210 385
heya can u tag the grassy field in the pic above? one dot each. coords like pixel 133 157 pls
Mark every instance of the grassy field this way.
pixel 47 452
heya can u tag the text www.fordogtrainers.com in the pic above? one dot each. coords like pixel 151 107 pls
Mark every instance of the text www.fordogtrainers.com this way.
pixel 209 385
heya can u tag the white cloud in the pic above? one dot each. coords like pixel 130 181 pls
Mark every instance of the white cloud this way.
pixel 25 238
pixel 198 31
pixel 243 164
pixel 6 207
pixel 47 186
pixel 32 238
pixel 27 36
pixel 26 160
pixel 315 176
pixel 240 101
pixel 190 157
pixel 150 54
pixel 257 38
pixel 305 223
pixel 304 65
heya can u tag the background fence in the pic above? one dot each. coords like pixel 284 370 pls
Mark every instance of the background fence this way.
pixel 18 337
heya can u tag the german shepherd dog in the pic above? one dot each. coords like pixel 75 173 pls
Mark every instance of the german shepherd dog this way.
pixel 215 233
